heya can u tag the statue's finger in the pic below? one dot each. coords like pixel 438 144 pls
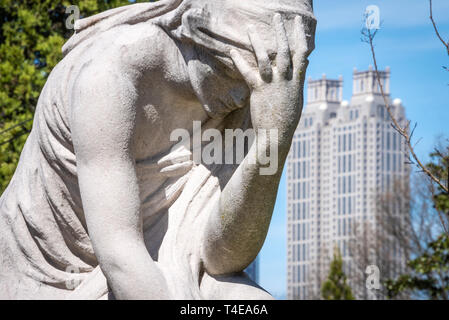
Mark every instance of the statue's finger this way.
pixel 283 59
pixel 249 75
pixel 300 55
pixel 263 60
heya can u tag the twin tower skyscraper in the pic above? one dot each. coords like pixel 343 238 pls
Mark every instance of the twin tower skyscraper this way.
pixel 344 157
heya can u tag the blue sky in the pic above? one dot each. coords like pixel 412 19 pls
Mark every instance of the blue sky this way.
pixel 407 43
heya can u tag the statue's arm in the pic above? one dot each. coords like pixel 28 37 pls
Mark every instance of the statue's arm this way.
pixel 237 228
pixel 103 122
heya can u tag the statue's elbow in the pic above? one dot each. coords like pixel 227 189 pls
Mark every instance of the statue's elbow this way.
pixel 222 261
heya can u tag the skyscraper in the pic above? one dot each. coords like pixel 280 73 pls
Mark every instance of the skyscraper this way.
pixel 344 155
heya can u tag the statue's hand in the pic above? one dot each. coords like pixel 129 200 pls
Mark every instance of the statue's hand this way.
pixel 277 87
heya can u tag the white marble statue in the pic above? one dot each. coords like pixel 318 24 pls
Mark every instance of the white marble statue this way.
pixel 102 205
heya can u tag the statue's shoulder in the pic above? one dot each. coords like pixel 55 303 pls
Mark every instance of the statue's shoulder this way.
pixel 137 45
pixel 123 50
pixel 138 35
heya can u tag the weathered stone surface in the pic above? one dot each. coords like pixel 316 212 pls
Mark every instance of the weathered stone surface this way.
pixel 103 204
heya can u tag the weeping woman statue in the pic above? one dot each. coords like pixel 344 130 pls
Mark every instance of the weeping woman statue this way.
pixel 102 205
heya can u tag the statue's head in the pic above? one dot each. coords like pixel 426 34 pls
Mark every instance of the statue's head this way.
pixel 214 26
pixel 221 25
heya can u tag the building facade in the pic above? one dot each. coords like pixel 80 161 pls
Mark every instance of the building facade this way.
pixel 344 156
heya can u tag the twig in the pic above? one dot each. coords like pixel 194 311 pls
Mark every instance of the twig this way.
pixel 446 44
pixel 15 126
pixel 440 216
pixel 15 137
pixel 369 38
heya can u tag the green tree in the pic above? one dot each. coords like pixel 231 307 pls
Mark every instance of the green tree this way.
pixel 32 33
pixel 335 287
pixel 428 274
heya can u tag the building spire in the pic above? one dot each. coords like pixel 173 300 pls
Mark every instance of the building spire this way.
pixel 325 90
pixel 365 82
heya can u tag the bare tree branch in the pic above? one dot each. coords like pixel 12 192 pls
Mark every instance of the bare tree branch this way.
pixel 446 44
pixel 403 131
